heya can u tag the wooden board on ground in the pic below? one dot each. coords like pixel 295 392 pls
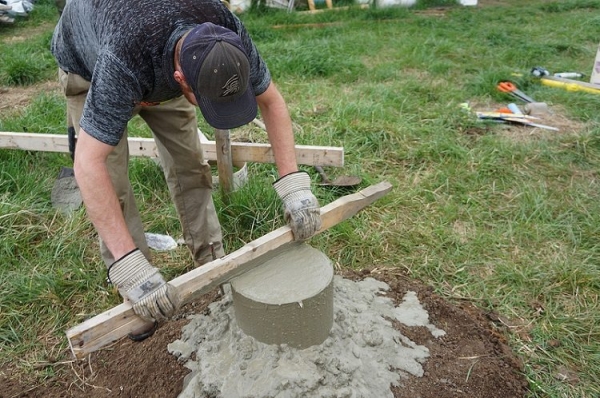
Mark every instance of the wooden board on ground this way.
pixel 570 85
pixel 146 147
pixel 119 321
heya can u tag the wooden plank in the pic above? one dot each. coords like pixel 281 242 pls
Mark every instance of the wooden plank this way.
pixel 571 81
pixel 570 85
pixel 117 322
pixel 241 152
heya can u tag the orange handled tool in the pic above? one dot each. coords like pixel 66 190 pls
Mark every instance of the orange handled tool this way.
pixel 510 88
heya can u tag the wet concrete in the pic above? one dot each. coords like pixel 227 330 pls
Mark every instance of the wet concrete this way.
pixel 362 356
pixel 288 299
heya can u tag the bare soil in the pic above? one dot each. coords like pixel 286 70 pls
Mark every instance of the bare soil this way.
pixel 473 359
pixel 14 99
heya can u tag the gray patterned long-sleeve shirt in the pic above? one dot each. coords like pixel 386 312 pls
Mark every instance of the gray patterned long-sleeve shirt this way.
pixel 125 48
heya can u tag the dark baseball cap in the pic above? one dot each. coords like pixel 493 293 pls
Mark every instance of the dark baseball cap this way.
pixel 216 67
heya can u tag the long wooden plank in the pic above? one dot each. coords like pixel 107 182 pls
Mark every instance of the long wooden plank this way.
pixel 571 81
pixel 241 152
pixel 570 85
pixel 117 322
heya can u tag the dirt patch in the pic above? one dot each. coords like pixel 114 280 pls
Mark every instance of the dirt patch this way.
pixel 555 116
pixel 472 359
pixel 13 99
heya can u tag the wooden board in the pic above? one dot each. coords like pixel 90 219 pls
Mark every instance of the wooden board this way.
pixel 119 321
pixel 570 85
pixel 571 81
pixel 241 152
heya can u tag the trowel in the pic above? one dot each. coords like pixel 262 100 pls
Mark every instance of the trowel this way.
pixel 65 195
pixel 65 192
pixel 341 181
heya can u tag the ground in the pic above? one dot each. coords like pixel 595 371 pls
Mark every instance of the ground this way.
pixel 472 359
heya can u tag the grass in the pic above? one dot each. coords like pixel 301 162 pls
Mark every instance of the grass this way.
pixel 511 224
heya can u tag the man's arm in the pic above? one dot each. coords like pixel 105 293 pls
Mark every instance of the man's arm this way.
pixel 99 196
pixel 137 280
pixel 301 208
pixel 279 129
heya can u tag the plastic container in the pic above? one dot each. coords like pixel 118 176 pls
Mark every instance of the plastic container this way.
pixel 569 75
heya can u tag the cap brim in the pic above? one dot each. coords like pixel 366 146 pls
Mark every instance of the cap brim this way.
pixel 229 114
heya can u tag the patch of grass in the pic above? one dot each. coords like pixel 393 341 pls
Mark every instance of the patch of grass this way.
pixel 45 114
pixel 27 62
pixel 564 6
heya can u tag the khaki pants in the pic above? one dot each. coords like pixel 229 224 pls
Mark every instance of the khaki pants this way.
pixel 188 175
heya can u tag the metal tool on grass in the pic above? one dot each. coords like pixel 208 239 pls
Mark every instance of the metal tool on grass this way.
pixel 525 120
pixel 341 181
pixel 65 195
pixel 65 192
pixel 511 88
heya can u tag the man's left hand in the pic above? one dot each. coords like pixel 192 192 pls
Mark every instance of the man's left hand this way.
pixel 301 208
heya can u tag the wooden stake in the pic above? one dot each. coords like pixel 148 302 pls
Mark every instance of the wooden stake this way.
pixel 119 321
pixel 224 163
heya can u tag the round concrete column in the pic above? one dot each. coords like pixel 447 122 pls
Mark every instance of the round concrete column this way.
pixel 288 299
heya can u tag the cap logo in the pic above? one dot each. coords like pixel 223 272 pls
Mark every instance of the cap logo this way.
pixel 231 87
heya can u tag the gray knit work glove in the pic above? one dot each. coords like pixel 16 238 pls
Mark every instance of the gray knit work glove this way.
pixel 301 208
pixel 143 285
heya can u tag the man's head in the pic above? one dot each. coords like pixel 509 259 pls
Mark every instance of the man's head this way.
pixel 216 69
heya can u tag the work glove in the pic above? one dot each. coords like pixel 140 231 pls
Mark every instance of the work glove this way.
pixel 143 285
pixel 301 208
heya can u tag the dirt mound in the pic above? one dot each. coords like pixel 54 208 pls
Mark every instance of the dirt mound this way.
pixel 472 359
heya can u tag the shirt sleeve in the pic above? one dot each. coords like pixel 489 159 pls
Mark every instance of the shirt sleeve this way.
pixel 113 93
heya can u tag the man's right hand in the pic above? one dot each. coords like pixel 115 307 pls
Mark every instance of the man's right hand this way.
pixel 143 285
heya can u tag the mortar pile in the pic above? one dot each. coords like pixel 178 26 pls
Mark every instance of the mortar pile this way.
pixel 362 356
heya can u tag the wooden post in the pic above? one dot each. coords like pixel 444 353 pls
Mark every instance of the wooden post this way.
pixel 224 163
